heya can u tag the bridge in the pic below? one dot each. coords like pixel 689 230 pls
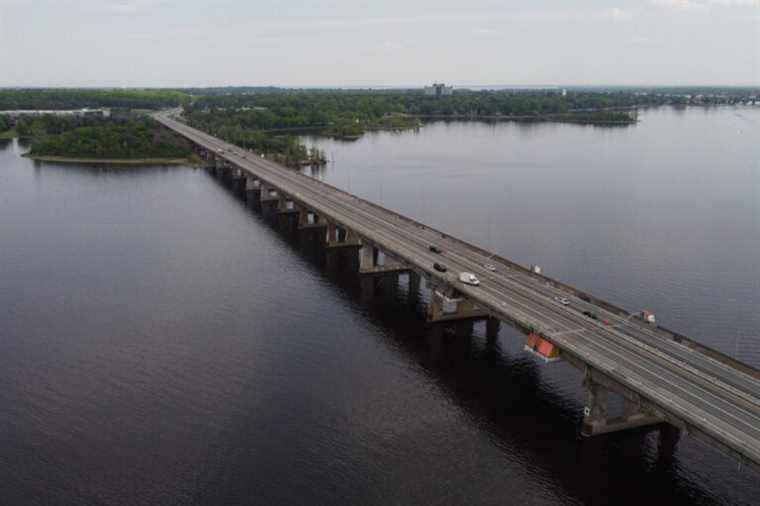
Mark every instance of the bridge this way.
pixel 663 377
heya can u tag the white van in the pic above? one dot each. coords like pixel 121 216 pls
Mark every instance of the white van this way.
pixel 469 278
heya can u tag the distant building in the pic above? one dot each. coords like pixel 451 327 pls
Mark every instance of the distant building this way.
pixel 439 90
pixel 564 92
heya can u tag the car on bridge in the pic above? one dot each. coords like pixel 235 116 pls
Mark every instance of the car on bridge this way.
pixel 435 249
pixel 439 267
pixel 469 278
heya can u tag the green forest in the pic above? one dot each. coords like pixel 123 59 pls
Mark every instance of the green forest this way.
pixel 99 138
pixel 6 126
pixel 259 120
pixel 299 108
pixel 269 120
pixel 58 99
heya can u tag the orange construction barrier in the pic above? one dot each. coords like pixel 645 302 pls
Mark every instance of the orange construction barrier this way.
pixel 541 347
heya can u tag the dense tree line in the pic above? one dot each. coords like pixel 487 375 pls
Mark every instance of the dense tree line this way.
pixel 256 120
pixel 316 107
pixel 5 123
pixel 130 138
pixel 57 99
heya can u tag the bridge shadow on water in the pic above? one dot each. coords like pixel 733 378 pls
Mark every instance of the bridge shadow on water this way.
pixel 504 394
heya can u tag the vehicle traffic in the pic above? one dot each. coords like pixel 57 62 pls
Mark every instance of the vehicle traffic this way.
pixel 440 267
pixel 435 249
pixel 469 278
pixel 489 267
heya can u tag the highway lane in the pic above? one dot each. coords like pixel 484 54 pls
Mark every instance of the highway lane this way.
pixel 734 382
pixel 589 341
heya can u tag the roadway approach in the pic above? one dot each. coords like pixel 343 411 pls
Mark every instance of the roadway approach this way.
pixel 662 376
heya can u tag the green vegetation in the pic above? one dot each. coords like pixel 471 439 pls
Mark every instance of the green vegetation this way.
pixel 268 120
pixel 6 128
pixel 57 99
pixel 258 119
pixel 98 138
pixel 288 109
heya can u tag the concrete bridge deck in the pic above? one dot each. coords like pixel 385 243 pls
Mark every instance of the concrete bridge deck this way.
pixel 661 375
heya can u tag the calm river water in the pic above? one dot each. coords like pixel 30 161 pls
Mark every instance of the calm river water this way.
pixel 161 342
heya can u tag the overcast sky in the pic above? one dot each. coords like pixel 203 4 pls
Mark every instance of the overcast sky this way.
pixel 378 42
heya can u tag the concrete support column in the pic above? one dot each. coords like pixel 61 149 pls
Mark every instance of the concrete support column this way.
pixel 340 237
pixel 493 325
pixel 332 233
pixel 269 193
pixel 288 214
pixel 311 225
pixel 414 287
pixel 596 419
pixel 367 257
pixel 252 184
pixel 368 287
pixel 448 305
pixel 595 412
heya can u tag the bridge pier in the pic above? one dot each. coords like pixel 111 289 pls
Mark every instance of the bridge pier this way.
pixel 252 190
pixel 493 325
pixel 310 226
pixel 447 304
pixel 238 179
pixel 377 268
pixel 287 214
pixel 269 195
pixel 370 261
pixel 342 247
pixel 340 237
pixel 413 294
pixel 596 420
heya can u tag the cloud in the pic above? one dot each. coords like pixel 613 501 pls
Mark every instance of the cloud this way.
pixel 703 5
pixel 392 45
pixel 680 5
pixel 618 14
pixel 735 3
pixel 132 7
pixel 485 31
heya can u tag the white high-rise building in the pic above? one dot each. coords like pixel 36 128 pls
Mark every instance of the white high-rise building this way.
pixel 439 90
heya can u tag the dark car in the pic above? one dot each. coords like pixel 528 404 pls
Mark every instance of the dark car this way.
pixel 591 315
pixel 439 267
pixel 435 249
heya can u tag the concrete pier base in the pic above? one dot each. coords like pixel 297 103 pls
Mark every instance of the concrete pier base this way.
pixel 596 420
pixel 446 304
pixel 344 258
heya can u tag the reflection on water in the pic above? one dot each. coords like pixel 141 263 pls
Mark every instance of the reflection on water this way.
pixel 162 340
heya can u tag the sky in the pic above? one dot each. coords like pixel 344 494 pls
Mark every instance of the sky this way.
pixel 378 43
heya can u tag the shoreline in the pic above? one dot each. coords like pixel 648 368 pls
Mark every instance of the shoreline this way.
pixel 526 118
pixel 110 161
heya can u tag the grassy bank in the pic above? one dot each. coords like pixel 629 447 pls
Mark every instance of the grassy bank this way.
pixel 111 161
pixel 8 134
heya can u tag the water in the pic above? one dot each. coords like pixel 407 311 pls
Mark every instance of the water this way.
pixel 163 343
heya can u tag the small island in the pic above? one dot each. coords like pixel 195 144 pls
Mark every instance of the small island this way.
pixel 118 141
